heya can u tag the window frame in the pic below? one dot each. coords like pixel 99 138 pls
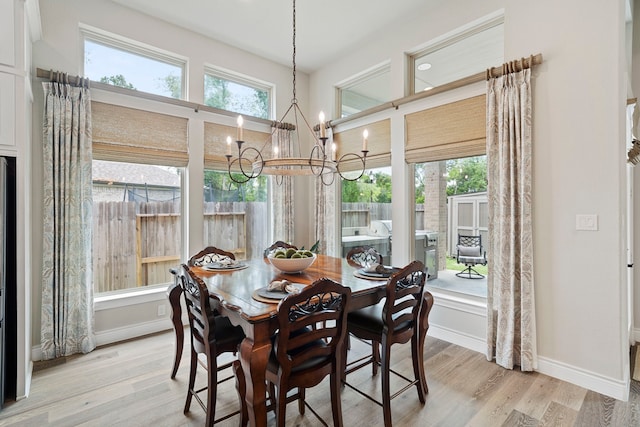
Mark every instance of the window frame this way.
pixel 244 80
pixel 134 47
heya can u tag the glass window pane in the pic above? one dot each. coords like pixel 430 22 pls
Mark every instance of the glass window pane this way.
pixel 237 97
pixel 118 67
pixel 136 225
pixel 458 58
pixel 235 216
pixel 369 91
pixel 366 212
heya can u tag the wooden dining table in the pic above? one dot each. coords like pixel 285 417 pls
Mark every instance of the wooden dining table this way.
pixel 236 290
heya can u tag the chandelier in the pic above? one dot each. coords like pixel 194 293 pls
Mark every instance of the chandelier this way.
pixel 321 162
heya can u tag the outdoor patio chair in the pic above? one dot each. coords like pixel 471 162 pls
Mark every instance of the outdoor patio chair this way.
pixel 470 253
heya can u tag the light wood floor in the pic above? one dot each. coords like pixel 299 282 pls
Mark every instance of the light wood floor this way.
pixel 128 384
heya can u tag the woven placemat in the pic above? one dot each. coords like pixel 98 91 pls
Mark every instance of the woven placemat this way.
pixel 362 276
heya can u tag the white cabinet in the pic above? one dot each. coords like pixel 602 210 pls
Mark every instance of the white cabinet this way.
pixel 7 111
pixel 7 33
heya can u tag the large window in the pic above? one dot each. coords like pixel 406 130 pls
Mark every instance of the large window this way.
pixel 366 212
pixel 125 64
pixel 235 216
pixel 136 225
pixel 238 94
pixel 451 200
pixel 463 55
pixel 369 90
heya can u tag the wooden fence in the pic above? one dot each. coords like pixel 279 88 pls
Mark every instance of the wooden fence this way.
pixel 136 244
pixel 361 214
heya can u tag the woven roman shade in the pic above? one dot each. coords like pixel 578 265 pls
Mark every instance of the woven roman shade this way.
pixel 379 145
pixel 448 131
pixel 122 133
pixel 215 144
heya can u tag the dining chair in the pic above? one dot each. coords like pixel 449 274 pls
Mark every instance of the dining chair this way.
pixel 363 256
pixel 201 258
pixel 207 255
pixel 278 244
pixel 402 316
pixel 211 335
pixel 304 353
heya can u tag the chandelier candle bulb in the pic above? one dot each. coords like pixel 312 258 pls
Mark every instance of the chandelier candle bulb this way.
pixel 322 129
pixel 240 121
pixel 228 145
pixel 334 148
pixel 365 135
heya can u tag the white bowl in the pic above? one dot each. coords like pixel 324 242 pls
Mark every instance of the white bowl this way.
pixel 292 265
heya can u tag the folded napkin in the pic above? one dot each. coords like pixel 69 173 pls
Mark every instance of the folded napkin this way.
pixel 217 260
pixel 282 286
pixel 377 268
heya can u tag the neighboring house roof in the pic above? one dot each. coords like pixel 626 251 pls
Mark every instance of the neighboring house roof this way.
pixel 127 173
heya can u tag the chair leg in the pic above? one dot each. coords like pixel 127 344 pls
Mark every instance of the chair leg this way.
pixel 212 389
pixel 417 343
pixel 336 404
pixel 375 353
pixel 386 386
pixel 281 406
pixel 193 366
pixel 241 388
pixel 173 294
pixel 301 397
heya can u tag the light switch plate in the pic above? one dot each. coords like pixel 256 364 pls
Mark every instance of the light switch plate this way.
pixel 587 222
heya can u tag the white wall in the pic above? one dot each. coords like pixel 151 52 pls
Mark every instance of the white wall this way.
pixel 579 97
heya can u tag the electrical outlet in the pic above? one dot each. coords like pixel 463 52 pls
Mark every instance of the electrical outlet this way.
pixel 162 310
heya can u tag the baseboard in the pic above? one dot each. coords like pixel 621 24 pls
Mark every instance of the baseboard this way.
pixel 120 334
pixel 583 378
pixel 457 338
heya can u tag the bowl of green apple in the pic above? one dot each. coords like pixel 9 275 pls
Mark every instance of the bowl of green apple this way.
pixel 291 260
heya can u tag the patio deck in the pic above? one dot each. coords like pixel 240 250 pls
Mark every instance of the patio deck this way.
pixel 448 280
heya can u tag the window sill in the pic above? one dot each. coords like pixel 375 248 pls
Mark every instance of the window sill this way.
pixel 134 297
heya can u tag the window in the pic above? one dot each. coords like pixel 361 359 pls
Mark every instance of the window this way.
pixel 235 215
pixel 136 225
pixel 237 94
pixel 451 199
pixel 125 64
pixel 369 90
pixel 464 55
pixel 366 212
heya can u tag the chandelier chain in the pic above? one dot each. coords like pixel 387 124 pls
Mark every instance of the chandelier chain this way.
pixel 294 100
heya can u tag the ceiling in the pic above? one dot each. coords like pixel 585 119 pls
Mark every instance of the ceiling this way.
pixel 325 30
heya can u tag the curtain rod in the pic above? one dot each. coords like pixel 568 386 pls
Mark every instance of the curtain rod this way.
pixel 47 74
pixel 475 78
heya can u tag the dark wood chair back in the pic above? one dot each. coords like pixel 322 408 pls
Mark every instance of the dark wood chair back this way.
pixel 363 256
pixel 207 255
pixel 404 298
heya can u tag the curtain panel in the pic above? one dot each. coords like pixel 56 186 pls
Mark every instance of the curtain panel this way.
pixel 511 333
pixel 67 287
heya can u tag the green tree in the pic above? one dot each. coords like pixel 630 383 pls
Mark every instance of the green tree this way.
pixel 171 84
pixel 419 184
pixel 117 80
pixel 467 175
pixel 216 92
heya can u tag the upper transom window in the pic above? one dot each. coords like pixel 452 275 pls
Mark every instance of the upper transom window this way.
pixel 368 90
pixel 239 94
pixel 119 62
pixel 463 55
